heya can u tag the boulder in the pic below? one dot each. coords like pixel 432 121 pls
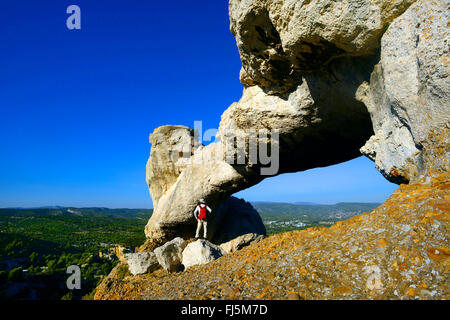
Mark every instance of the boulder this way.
pixel 299 120
pixel 139 263
pixel 234 218
pixel 241 241
pixel 200 252
pixel 169 255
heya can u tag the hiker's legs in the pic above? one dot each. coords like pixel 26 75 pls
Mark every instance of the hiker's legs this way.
pixel 199 225
pixel 205 227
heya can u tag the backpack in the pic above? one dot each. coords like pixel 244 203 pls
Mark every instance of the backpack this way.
pixel 203 212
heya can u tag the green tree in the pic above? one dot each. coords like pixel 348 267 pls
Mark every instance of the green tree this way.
pixel 51 266
pixel 34 269
pixel 15 274
pixel 34 257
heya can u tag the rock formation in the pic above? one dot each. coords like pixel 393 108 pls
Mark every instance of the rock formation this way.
pixel 169 255
pixel 282 40
pixel 141 262
pixel 235 218
pixel 172 162
pixel 171 150
pixel 177 255
pixel 117 252
pixel 240 242
pixel 408 96
pixel 398 251
pixel 322 79
pixel 200 252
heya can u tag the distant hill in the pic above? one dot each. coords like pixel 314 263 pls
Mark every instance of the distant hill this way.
pixel 86 212
pixel 310 213
pixel 305 202
pixel 307 212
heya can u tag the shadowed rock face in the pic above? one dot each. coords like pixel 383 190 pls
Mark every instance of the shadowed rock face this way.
pixel 323 75
pixel 234 218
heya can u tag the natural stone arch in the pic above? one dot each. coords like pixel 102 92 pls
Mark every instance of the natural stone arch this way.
pixel 324 111
pixel 320 123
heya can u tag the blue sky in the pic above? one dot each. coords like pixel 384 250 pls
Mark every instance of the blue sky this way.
pixel 77 106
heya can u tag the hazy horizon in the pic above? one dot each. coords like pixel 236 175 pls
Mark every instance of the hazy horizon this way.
pixel 139 208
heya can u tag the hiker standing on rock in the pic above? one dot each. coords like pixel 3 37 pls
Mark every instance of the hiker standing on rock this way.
pixel 201 213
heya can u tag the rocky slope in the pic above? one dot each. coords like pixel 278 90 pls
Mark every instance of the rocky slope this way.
pixel 173 156
pixel 408 94
pixel 325 80
pixel 398 251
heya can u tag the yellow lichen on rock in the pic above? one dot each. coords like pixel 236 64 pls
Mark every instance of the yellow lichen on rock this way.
pixel 389 253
